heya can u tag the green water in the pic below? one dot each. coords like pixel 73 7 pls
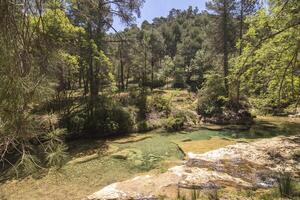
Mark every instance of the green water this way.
pixel 161 144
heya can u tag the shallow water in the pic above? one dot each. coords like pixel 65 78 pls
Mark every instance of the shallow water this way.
pixel 77 181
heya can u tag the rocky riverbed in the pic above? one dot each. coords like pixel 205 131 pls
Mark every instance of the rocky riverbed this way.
pixel 242 165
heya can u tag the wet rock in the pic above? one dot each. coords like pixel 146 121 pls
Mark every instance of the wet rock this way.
pixel 186 140
pixel 201 146
pixel 132 138
pixel 242 165
pixel 130 154
pixel 83 159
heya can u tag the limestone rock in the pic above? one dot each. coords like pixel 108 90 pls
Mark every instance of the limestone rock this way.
pixel 242 165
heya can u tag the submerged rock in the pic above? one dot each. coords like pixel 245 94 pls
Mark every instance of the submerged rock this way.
pixel 83 159
pixel 242 165
pixel 201 146
pixel 130 154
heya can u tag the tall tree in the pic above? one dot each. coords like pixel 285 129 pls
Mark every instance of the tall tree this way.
pixel 96 17
pixel 224 31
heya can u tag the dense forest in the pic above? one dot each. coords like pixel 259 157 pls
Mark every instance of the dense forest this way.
pixel 68 74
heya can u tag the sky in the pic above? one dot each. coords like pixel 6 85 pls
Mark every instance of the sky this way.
pixel 158 8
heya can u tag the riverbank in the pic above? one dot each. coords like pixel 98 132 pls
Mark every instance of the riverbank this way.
pixel 154 152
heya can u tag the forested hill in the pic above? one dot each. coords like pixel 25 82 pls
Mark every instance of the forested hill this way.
pixel 63 76
pixel 237 51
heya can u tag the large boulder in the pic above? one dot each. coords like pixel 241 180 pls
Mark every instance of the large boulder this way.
pixel 242 165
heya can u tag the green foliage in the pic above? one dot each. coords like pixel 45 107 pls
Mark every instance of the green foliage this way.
pixel 141 103
pixel 285 185
pixel 178 81
pixel 213 195
pixel 27 164
pixel 166 71
pixel 175 123
pixel 211 96
pixel 267 68
pixel 57 156
pixel 55 149
pixel 108 119
pixel 160 103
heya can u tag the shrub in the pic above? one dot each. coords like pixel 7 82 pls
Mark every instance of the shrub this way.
pixel 157 83
pixel 55 149
pixel 143 126
pixel 211 96
pixel 57 156
pixel 160 104
pixel 107 119
pixel 175 123
pixel 213 195
pixel 141 103
pixel 285 185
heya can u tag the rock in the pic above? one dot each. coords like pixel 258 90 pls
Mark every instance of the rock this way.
pixel 186 140
pixel 132 138
pixel 111 149
pixel 138 163
pixel 201 146
pixel 230 117
pixel 129 154
pixel 83 159
pixel 296 115
pixel 242 165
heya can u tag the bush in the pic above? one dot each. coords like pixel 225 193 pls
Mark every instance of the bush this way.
pixel 110 121
pixel 149 125
pixel 160 104
pixel 155 84
pixel 175 123
pixel 141 103
pixel 106 120
pixel 211 96
pixel 143 126
pixel 285 185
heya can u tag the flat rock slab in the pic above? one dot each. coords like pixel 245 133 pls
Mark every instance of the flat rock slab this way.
pixel 242 165
pixel 132 138
pixel 201 146
pixel 83 159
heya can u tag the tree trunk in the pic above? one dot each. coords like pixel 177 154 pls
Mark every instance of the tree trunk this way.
pixel 225 46
pixel 145 67
pixel 241 48
pixel 121 68
pixel 152 73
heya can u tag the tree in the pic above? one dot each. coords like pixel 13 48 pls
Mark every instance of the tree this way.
pixel 156 45
pixel 96 18
pixel 223 32
pixel 271 69
pixel 33 38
